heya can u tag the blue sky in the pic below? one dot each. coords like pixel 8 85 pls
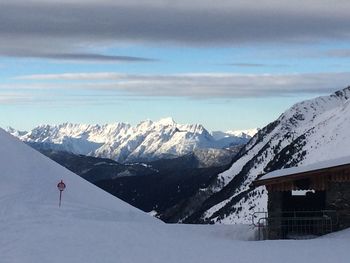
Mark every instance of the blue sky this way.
pixel 233 66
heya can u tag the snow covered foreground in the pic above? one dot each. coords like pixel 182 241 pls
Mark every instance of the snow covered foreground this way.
pixel 93 226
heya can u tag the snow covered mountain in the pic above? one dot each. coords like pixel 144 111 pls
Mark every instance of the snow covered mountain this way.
pixel 93 226
pixel 120 141
pixel 218 135
pixel 310 131
pixel 90 226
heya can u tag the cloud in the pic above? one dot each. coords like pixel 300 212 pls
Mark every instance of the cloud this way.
pixel 254 65
pixel 14 98
pixel 199 85
pixel 74 76
pixel 337 53
pixel 247 65
pixel 80 57
pixel 70 27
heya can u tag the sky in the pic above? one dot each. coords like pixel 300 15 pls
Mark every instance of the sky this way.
pixel 227 64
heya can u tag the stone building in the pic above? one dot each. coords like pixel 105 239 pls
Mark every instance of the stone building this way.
pixel 307 200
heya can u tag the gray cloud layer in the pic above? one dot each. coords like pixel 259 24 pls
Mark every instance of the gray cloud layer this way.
pixel 337 53
pixel 79 57
pixel 46 27
pixel 206 85
pixel 68 55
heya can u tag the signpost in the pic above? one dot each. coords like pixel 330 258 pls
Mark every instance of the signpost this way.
pixel 61 186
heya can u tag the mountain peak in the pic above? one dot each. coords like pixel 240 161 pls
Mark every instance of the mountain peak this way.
pixel 145 124
pixel 168 121
pixel 243 133
pixel 147 141
pixel 343 93
pixel 309 132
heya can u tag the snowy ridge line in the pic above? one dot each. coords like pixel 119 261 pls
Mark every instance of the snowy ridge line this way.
pixel 309 134
pixel 148 141
pixel 236 187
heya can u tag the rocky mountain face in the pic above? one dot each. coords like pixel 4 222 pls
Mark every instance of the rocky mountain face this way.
pixel 148 141
pixel 309 132
pixel 94 169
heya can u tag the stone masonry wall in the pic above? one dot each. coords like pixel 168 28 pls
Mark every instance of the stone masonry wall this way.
pixel 338 198
pixel 274 207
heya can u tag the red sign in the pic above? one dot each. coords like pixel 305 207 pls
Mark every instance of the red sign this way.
pixel 61 185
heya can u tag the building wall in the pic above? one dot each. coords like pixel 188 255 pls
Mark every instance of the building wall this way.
pixel 338 198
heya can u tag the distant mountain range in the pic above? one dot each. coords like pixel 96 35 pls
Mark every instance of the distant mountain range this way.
pixel 148 141
pixel 200 189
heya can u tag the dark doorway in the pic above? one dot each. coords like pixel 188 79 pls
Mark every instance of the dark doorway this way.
pixel 302 214
pixel 311 201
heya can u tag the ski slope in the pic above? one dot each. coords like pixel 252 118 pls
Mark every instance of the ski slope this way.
pixel 93 226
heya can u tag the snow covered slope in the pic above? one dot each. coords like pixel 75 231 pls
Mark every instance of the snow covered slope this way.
pixel 146 142
pixel 28 186
pixel 311 131
pixel 93 226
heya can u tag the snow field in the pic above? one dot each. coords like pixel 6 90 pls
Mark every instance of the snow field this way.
pixel 93 226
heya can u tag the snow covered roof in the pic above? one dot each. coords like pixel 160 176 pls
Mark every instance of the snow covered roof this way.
pixel 306 168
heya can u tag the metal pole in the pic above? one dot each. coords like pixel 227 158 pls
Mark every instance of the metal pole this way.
pixel 59 205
